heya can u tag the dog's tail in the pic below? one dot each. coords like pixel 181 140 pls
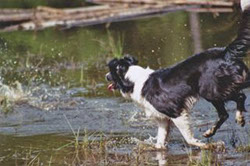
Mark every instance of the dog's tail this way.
pixel 239 47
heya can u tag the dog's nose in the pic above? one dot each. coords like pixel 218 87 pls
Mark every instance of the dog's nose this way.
pixel 108 77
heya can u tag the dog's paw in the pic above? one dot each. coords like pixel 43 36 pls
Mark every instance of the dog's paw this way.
pixel 209 133
pixel 196 142
pixel 160 146
pixel 240 122
pixel 240 119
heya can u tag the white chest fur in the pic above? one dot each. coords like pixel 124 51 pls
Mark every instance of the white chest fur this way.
pixel 139 76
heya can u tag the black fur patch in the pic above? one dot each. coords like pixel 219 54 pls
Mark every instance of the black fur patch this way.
pixel 207 75
pixel 118 69
pixel 215 74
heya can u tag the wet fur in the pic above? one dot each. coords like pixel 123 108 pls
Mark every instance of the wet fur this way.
pixel 207 75
pixel 217 75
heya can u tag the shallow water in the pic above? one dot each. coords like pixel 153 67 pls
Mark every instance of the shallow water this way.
pixel 63 90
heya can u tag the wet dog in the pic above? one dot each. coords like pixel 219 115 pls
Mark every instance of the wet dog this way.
pixel 217 75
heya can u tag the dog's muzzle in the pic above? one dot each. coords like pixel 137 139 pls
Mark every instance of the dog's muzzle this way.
pixel 112 86
pixel 109 77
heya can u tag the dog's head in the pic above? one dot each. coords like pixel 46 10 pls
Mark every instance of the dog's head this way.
pixel 117 71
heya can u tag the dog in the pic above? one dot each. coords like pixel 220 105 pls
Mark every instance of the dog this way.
pixel 218 75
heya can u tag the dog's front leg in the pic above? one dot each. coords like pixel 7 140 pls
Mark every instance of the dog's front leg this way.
pixel 183 124
pixel 163 131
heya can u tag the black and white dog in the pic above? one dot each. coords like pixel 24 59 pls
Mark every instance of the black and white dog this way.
pixel 217 75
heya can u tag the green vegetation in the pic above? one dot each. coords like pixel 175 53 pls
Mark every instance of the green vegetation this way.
pixel 116 46
pixel 78 57
pixel 243 148
pixel 206 159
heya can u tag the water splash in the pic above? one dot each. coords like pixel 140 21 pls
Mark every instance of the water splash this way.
pixel 14 93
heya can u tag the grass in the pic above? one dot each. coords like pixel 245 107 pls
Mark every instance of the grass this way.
pixel 243 148
pixel 206 159
pixel 93 148
pixel 114 45
pixel 87 150
pixel 31 159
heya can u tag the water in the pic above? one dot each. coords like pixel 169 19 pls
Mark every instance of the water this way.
pixel 63 90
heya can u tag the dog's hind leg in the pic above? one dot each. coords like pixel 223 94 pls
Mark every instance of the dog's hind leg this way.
pixel 240 99
pixel 163 131
pixel 183 124
pixel 223 115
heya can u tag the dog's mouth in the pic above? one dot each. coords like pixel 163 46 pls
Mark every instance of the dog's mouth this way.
pixel 112 86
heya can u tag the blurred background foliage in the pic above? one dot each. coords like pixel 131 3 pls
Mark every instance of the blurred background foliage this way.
pixel 77 57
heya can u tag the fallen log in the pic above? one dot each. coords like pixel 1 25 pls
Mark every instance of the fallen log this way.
pixel 46 13
pixel 45 17
pixel 92 19
pixel 127 2
pixel 165 2
pixel 205 3
pixel 211 10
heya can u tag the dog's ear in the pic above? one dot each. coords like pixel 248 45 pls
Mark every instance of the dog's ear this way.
pixel 113 63
pixel 131 60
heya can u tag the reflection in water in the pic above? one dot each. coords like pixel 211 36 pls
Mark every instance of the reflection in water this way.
pixel 195 32
pixel 161 157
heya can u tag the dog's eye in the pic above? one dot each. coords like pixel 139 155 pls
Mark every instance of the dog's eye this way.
pixel 123 68
pixel 120 70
